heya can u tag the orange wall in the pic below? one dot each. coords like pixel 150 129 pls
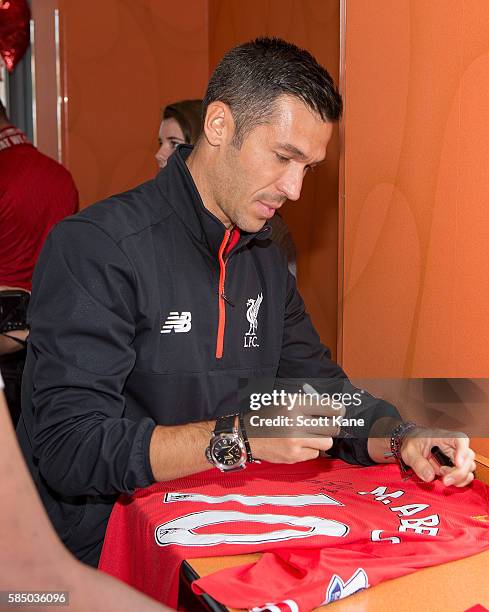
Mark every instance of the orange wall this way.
pixel 313 220
pixel 122 61
pixel 416 217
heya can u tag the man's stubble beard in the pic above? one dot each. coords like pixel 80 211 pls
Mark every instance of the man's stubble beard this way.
pixel 229 186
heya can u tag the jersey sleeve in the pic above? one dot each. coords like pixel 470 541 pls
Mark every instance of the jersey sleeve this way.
pixel 303 356
pixel 82 324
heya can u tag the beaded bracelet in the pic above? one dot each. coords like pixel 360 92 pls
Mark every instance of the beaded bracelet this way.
pixel 242 428
pixel 397 438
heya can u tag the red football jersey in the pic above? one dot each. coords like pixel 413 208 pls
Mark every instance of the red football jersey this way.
pixel 328 529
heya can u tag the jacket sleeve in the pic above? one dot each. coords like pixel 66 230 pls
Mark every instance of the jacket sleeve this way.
pixel 82 327
pixel 303 356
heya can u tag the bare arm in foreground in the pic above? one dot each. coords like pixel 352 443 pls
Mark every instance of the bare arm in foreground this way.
pixel 32 558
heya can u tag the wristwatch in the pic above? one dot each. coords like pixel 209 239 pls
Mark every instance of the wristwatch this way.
pixel 226 450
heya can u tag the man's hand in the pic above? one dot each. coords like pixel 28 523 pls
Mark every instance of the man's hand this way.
pixel 309 430
pixel 416 453
pixel 289 450
pixel 9 341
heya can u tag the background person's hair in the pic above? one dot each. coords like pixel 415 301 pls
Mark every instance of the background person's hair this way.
pixel 250 77
pixel 188 114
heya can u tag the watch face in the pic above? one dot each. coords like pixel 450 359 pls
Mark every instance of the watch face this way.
pixel 229 451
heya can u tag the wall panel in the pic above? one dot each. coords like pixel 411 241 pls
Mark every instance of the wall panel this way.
pixel 123 61
pixel 416 221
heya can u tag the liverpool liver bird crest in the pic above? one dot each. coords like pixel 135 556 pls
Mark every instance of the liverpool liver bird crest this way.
pixel 252 314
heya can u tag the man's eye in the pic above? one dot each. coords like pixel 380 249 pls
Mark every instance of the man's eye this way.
pixel 281 158
pixel 174 144
pixel 160 142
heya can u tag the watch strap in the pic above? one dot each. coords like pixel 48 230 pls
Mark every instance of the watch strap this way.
pixel 224 424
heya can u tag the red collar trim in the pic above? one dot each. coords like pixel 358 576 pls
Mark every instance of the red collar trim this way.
pixel 10 136
pixel 233 241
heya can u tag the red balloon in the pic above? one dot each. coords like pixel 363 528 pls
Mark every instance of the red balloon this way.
pixel 14 31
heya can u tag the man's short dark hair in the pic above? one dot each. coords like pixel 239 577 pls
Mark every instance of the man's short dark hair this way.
pixel 250 77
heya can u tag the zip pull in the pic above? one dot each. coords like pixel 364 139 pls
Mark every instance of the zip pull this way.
pixel 222 296
pixel 226 299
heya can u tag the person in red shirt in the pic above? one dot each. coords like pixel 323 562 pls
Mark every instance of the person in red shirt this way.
pixel 35 193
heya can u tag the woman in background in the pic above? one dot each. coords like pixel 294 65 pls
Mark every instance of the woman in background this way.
pixel 181 123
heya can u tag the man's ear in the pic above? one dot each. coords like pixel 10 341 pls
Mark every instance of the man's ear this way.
pixel 218 124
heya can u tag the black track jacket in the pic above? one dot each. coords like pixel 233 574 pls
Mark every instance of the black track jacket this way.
pixel 137 319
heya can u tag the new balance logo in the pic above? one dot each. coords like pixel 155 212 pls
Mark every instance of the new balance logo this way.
pixel 179 322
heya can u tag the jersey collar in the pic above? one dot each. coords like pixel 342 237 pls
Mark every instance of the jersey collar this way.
pixel 10 136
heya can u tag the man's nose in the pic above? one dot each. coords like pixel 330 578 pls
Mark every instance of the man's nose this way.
pixel 290 183
pixel 161 156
